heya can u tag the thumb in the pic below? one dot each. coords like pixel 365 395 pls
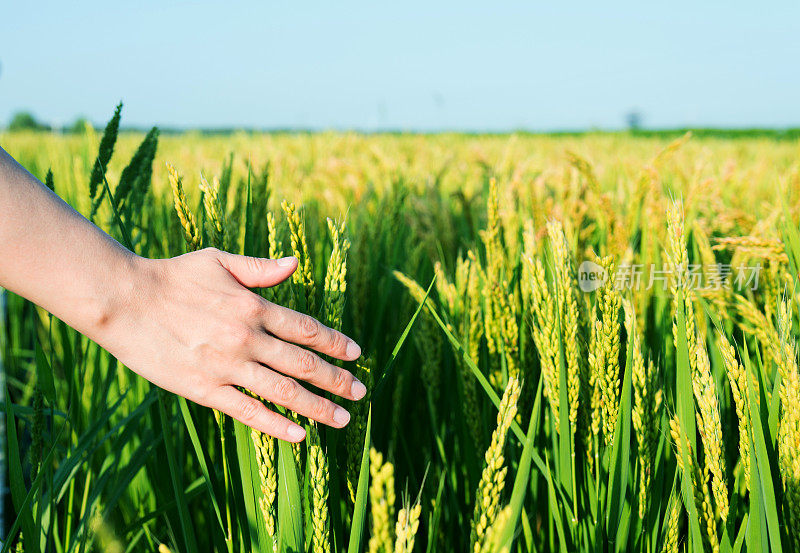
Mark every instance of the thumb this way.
pixel 257 272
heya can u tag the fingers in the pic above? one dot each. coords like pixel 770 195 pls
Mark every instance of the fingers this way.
pixel 288 393
pixel 254 413
pixel 300 363
pixel 256 272
pixel 302 329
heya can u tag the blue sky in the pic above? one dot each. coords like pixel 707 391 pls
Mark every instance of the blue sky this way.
pixel 403 65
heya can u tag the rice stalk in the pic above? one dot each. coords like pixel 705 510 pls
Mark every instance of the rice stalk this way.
pixel 381 502
pixel 336 276
pixel 191 233
pixel 215 214
pixel 603 357
pixel 492 482
pixel 677 263
pixel 265 459
pixel 494 536
pixel 545 335
pixel 789 423
pixel 646 414
pixel 568 317
pixel 672 537
pixel 736 378
pixel 356 429
pixel 303 277
pixel 710 428
pixel 699 484
pixel 319 475
pixel 100 167
pixel 406 528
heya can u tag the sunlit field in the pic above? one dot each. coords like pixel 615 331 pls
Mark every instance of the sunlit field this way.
pixel 571 343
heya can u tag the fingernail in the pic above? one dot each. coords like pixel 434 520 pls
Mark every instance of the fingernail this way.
pixel 296 433
pixel 285 262
pixel 358 390
pixel 353 350
pixel 341 417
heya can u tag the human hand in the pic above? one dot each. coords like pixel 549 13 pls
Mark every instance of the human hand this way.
pixel 190 325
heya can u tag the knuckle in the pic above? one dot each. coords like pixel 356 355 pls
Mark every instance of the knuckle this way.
pixel 249 409
pixel 202 393
pixel 250 373
pixel 286 389
pixel 338 343
pixel 307 364
pixel 309 327
pixel 210 252
pixel 241 336
pixel 341 381
pixel 275 315
pixel 251 306
pixel 196 380
pixel 321 410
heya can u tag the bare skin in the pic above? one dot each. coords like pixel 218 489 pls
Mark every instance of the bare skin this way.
pixel 187 324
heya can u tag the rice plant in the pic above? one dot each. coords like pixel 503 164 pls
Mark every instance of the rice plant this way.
pixel 580 343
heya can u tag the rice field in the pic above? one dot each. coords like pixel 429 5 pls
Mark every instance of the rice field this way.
pixel 571 343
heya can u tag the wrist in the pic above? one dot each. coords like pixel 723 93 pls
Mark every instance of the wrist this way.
pixel 118 296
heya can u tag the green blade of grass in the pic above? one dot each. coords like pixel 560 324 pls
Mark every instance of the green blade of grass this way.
pixel 387 372
pixel 555 514
pixel 187 528
pixel 757 539
pixel 740 535
pixel 684 397
pixel 44 374
pixel 520 488
pixel 19 495
pixel 290 508
pixel 487 387
pixel 35 486
pixel 433 525
pixel 620 458
pixel 200 455
pixel 566 444
pixel 360 509
pixel 250 485
pixel 763 464
pixel 92 439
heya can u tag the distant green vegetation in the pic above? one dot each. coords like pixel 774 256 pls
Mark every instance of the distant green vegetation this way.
pixel 22 121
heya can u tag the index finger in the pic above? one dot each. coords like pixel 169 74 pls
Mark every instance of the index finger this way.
pixel 305 330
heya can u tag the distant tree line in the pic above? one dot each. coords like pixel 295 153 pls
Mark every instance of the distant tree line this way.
pixel 26 121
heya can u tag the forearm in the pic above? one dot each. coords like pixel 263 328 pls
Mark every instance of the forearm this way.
pixel 53 256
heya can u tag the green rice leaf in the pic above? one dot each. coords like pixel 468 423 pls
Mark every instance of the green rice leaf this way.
pixel 686 418
pixel 360 508
pixel 520 488
pixel 17 483
pixel 763 468
pixel 187 528
pixel 200 455
pixel 290 508
pixel 620 461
